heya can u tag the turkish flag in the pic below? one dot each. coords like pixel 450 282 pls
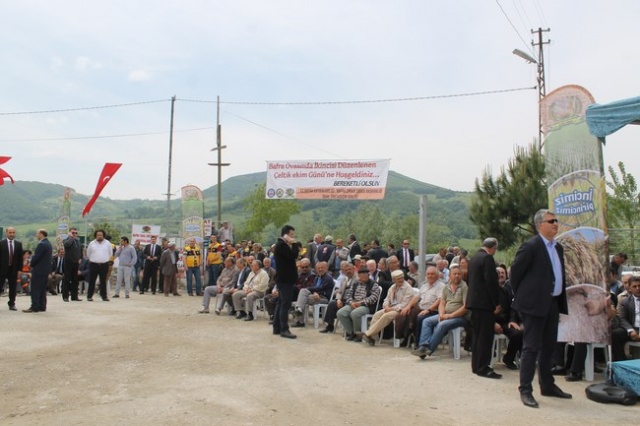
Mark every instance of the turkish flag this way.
pixel 4 174
pixel 108 171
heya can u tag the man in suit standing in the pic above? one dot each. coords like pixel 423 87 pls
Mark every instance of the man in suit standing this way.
pixel 40 267
pixel 72 260
pixel 169 270
pixel 539 285
pixel 312 249
pixel 405 255
pixel 285 253
pixel 152 252
pixel 10 263
pixel 482 300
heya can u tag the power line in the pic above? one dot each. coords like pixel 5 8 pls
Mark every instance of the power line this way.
pixel 104 136
pixel 369 101
pixel 83 108
pixel 366 101
pixel 514 28
pixel 540 12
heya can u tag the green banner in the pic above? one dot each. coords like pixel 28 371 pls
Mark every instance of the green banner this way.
pixel 192 213
pixel 577 195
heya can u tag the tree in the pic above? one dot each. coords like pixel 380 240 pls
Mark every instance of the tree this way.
pixel 624 203
pixel 503 207
pixel 110 231
pixel 264 212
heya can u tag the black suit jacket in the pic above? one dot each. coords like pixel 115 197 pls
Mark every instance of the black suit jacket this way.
pixel 54 263
pixel 627 312
pixel 532 279
pixel 157 253
pixel 285 257
pixel 482 279
pixel 400 256
pixel 4 256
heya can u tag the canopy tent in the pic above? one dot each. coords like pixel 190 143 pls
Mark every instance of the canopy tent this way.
pixel 604 120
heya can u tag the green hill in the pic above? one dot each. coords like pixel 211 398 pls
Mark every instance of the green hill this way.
pixel 29 205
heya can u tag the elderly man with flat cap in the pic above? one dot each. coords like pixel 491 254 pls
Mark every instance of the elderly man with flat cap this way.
pixel 169 269
pixel 398 298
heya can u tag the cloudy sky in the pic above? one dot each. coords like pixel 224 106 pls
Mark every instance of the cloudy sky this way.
pixel 72 55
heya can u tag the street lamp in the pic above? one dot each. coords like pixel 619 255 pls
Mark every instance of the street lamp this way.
pixel 542 90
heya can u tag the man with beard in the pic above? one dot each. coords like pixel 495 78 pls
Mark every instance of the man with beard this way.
pixel 99 252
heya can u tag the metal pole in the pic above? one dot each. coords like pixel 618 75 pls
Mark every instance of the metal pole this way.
pixel 168 217
pixel 542 88
pixel 219 146
pixel 422 238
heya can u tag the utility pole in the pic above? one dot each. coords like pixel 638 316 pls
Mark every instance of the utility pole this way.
pixel 219 147
pixel 542 88
pixel 168 194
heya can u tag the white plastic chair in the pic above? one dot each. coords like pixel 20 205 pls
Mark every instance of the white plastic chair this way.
pixel 500 342
pixel 454 338
pixel 317 310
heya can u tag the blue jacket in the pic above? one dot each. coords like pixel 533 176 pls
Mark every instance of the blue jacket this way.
pixel 41 259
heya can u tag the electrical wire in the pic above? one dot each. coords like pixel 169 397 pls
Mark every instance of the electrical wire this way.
pixel 514 29
pixel 369 101
pixel 50 111
pixel 104 136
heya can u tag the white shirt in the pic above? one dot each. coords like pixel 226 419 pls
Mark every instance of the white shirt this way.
pixel 99 252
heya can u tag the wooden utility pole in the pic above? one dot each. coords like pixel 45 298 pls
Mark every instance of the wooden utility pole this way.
pixel 168 216
pixel 219 147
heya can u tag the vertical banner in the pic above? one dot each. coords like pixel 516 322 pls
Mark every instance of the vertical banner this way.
pixel 64 219
pixel 577 195
pixel 192 213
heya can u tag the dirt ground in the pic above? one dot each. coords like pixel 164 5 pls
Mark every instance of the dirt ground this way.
pixel 154 360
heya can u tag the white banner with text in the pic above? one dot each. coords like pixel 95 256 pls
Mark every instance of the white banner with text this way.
pixel 327 179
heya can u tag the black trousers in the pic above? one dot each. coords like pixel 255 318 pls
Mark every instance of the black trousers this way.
pixel 331 313
pixel 150 272
pixel 482 323
pixel 281 314
pixel 11 275
pixel 98 270
pixel 538 344
pixel 515 342
pixel 70 280
pixel 39 292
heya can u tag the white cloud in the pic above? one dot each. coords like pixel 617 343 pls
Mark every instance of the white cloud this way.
pixel 84 63
pixel 139 75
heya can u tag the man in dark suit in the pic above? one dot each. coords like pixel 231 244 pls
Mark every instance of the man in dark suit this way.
pixel 10 263
pixel 628 331
pixel 354 246
pixel 539 285
pixel 285 254
pixel 405 255
pixel 40 267
pixel 482 299
pixel 72 260
pixel 151 253
pixel 376 253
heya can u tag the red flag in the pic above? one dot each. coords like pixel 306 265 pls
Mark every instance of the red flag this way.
pixel 4 174
pixel 108 171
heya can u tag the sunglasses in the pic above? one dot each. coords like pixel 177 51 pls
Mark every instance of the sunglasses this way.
pixel 552 221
